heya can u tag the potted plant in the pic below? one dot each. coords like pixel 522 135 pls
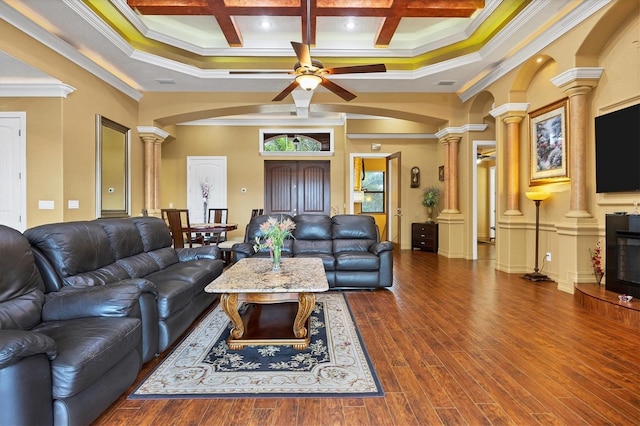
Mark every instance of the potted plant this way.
pixel 430 199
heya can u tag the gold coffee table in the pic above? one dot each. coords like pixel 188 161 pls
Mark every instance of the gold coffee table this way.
pixel 274 317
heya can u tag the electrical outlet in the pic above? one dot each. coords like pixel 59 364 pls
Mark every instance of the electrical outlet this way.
pixel 548 258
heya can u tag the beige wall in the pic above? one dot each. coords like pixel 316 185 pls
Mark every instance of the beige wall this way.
pixel 61 134
pixel 245 167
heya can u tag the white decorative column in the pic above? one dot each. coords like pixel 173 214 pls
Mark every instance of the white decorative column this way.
pixel 152 137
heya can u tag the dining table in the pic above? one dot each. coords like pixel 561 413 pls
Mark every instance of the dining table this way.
pixel 212 228
pixel 215 228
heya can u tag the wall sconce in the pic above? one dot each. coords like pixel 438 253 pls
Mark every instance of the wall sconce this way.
pixel 415 177
pixel 537 197
pixel 375 147
pixel 296 143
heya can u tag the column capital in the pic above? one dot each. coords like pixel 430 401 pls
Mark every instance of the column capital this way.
pixel 152 134
pixel 510 110
pixel 451 138
pixel 578 80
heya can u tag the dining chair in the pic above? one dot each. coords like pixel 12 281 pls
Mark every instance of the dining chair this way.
pixel 256 212
pixel 179 226
pixel 217 215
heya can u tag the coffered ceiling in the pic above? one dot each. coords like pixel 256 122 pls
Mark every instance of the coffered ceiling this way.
pixel 448 46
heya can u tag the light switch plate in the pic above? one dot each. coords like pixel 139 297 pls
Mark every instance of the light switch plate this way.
pixel 46 204
pixel 74 204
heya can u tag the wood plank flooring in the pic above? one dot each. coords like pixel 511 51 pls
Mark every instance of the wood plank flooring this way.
pixel 453 342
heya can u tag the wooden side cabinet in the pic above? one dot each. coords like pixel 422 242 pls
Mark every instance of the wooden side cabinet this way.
pixel 424 236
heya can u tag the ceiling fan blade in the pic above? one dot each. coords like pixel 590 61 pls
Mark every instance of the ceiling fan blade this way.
pixel 338 90
pixel 357 69
pixel 303 54
pixel 285 92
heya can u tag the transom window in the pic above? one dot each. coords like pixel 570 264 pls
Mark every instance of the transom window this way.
pixel 296 142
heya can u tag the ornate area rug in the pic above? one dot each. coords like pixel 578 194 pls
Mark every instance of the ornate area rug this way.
pixel 335 364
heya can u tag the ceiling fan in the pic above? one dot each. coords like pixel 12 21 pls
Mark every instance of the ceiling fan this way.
pixel 310 72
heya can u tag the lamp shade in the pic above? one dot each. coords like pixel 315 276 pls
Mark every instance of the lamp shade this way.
pixel 308 81
pixel 537 195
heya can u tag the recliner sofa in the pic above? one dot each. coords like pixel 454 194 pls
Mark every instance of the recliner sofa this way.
pixel 65 356
pixel 103 252
pixel 349 245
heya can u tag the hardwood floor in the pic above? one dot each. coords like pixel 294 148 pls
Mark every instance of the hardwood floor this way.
pixel 453 342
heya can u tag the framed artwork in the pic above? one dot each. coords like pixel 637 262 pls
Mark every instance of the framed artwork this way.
pixel 441 173
pixel 549 144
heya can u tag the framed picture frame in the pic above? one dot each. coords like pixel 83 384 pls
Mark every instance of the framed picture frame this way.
pixel 549 144
pixel 441 173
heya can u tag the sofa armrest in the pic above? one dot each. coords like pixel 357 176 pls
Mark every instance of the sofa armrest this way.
pixel 194 253
pixel 18 344
pixel 243 250
pixel 381 247
pixel 113 300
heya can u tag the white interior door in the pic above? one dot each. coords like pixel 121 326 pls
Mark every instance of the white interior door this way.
pixel 13 187
pixel 210 172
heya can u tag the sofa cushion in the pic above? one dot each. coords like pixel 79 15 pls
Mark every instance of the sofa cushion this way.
pixel 164 257
pixel 179 283
pixel 357 261
pixel 354 227
pixel 139 266
pixel 173 295
pixel 154 232
pixel 73 247
pixel 312 227
pixel 87 349
pixel 328 261
pixel 102 276
pixel 124 237
pixel 353 233
pixel 20 296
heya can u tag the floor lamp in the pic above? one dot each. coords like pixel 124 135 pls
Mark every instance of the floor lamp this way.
pixel 537 197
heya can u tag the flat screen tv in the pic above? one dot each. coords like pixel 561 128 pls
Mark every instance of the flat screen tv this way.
pixel 618 150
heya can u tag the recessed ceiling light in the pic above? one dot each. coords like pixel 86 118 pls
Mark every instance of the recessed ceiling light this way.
pixel 265 24
pixel 350 25
pixel 165 80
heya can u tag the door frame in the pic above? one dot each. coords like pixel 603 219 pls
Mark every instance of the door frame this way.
pixel 20 181
pixel 352 156
pixel 392 189
pixel 474 182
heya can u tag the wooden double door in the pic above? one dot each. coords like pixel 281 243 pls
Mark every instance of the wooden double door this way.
pixel 297 187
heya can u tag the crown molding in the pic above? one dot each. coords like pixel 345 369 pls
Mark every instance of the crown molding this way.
pixel 582 11
pixel 15 18
pixel 47 89
pixel 391 136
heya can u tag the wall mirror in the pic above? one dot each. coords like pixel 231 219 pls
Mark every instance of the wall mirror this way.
pixel 112 169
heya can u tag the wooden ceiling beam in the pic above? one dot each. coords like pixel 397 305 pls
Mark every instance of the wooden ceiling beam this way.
pixel 392 12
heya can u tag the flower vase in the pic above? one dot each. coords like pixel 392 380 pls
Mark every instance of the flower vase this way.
pixel 205 220
pixel 276 252
pixel 599 276
pixel 429 213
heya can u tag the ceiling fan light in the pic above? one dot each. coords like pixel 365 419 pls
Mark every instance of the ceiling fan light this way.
pixel 308 81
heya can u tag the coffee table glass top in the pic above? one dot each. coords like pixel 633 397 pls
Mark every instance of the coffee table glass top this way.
pixel 256 275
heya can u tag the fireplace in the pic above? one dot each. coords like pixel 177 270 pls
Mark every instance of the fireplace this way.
pixel 628 260
pixel 623 254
